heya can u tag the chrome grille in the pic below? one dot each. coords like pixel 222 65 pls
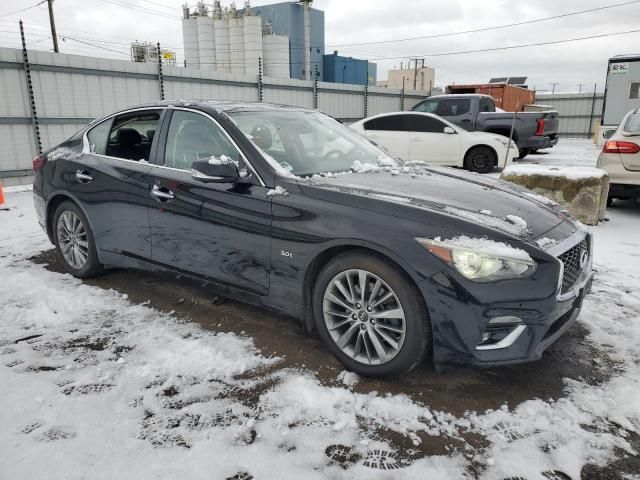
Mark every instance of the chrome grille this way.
pixel 571 261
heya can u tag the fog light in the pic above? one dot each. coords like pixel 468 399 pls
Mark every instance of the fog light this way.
pixel 501 332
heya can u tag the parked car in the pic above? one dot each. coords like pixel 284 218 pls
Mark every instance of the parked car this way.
pixel 477 113
pixel 424 137
pixel 288 209
pixel 620 158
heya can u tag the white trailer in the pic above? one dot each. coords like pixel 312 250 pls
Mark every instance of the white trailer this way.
pixel 622 92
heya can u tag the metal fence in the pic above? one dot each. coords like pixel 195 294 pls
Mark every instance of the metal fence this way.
pixel 46 97
pixel 579 112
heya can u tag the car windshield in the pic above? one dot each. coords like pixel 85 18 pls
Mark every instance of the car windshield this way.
pixel 632 125
pixel 305 143
pixel 428 106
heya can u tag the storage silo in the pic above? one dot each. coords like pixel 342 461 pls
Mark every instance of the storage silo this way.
pixel 236 41
pixel 252 42
pixel 221 38
pixel 276 55
pixel 206 41
pixel 190 39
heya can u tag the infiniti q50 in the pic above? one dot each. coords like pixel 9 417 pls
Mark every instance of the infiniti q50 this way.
pixel 388 261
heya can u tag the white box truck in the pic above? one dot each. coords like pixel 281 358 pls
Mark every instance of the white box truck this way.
pixel 621 94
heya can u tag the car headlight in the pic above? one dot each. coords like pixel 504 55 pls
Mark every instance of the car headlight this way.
pixel 480 266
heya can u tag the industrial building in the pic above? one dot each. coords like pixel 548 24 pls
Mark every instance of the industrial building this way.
pixel 143 52
pixel 421 78
pixel 339 69
pixel 298 20
pixel 233 41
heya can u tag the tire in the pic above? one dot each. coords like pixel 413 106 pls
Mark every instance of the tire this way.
pixel 480 159
pixel 75 246
pixel 411 337
pixel 533 150
pixel 523 152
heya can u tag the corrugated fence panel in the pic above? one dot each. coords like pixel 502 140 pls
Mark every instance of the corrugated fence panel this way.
pixel 17 147
pixel 579 112
pixel 383 100
pixel 341 101
pixel 287 91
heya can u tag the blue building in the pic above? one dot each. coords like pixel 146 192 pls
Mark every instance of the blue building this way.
pixel 287 18
pixel 339 69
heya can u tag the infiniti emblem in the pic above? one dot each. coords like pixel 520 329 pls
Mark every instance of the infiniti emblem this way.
pixel 584 257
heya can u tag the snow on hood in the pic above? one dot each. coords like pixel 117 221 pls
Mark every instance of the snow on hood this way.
pixel 480 200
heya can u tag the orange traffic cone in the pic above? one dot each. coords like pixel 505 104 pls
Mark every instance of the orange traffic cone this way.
pixel 1 194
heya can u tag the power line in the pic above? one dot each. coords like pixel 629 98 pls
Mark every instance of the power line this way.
pixel 140 8
pixel 66 37
pixel 485 29
pixel 23 9
pixel 511 47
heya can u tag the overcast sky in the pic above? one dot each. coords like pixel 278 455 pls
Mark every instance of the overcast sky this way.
pixel 112 26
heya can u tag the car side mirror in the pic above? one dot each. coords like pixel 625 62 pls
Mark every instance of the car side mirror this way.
pixel 216 169
pixel 449 130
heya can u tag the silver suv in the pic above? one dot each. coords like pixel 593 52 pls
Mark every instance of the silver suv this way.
pixel 620 158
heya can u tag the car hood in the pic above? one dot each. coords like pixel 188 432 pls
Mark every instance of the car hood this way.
pixel 484 201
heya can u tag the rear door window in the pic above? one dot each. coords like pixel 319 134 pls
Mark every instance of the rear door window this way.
pixel 98 137
pixel 487 105
pixel 632 125
pixel 389 123
pixel 132 134
pixel 425 124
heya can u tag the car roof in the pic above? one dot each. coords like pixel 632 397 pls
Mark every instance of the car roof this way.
pixel 452 95
pixel 407 112
pixel 220 105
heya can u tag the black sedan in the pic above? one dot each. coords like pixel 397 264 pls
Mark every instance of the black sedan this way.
pixel 287 208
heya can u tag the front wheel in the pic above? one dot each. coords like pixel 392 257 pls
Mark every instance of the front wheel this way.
pixel 74 241
pixel 480 160
pixel 370 315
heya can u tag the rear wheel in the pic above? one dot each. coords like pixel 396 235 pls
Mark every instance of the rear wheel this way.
pixel 480 160
pixel 523 152
pixel 370 315
pixel 74 241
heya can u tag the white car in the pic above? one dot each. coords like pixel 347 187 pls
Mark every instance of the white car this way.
pixel 620 158
pixel 419 136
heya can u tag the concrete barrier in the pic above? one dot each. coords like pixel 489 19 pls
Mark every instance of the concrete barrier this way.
pixel 580 190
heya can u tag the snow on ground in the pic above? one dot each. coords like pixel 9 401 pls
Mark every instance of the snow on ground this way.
pixel 95 386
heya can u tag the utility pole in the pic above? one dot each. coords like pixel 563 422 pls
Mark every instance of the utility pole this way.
pixel 580 85
pixel 415 70
pixel 54 35
pixel 553 87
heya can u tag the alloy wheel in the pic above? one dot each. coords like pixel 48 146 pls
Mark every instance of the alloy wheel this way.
pixel 364 317
pixel 480 160
pixel 72 239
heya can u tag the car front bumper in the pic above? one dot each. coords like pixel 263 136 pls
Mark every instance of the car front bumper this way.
pixel 459 318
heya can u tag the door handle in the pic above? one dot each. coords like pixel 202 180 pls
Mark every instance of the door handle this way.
pixel 161 194
pixel 466 120
pixel 83 176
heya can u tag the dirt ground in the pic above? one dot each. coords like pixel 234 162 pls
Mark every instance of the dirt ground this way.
pixel 457 390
